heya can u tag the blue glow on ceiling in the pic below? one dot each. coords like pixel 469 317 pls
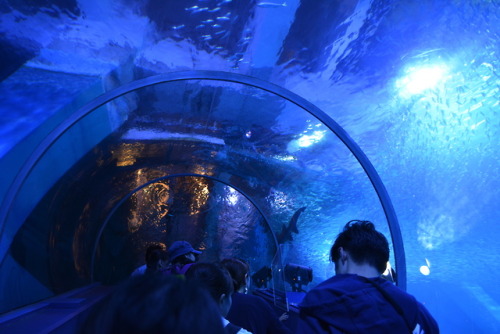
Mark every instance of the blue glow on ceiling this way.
pixel 418 79
pixel 415 84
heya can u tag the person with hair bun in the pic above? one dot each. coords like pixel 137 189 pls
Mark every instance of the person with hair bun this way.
pixel 248 311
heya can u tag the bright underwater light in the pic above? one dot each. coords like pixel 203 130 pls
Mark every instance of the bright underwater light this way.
pixel 232 197
pixel 306 140
pixel 426 270
pixel 419 79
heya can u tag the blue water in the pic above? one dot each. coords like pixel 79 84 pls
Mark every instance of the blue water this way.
pixel 414 83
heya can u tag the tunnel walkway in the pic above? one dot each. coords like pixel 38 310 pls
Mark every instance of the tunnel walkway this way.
pixel 61 314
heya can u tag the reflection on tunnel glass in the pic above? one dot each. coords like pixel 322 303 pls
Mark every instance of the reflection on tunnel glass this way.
pixel 415 83
pixel 253 185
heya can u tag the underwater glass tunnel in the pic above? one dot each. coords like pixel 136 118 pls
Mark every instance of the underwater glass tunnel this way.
pixel 248 127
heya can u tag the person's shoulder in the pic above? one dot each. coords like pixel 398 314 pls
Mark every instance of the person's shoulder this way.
pixel 333 289
pixel 321 292
pixel 338 282
pixel 426 321
pixel 395 290
pixel 405 299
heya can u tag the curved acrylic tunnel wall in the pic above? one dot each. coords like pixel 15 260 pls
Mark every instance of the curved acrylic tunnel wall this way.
pixel 222 164
pixel 415 83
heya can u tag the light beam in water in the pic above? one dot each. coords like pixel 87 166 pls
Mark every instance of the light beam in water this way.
pixel 419 79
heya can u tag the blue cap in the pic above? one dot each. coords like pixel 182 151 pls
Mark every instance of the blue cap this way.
pixel 180 248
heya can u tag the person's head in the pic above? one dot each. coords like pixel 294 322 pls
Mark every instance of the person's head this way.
pixel 156 256
pixel 217 281
pixel 181 253
pixel 238 269
pixel 362 244
pixel 156 304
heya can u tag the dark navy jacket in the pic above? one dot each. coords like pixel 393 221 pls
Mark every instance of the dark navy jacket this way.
pixel 352 304
pixel 255 315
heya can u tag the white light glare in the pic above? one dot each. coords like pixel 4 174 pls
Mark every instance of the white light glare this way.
pixel 308 140
pixel 426 270
pixel 233 196
pixel 419 79
pixel 387 269
pixel 285 157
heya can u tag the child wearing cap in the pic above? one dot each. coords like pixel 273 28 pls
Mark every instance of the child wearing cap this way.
pixel 182 256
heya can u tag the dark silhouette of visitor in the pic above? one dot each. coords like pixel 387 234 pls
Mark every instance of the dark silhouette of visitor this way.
pixel 156 260
pixel 357 299
pixel 156 304
pixel 248 311
pixel 182 255
pixel 219 284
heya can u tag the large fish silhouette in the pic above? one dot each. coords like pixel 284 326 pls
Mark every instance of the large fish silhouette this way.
pixel 286 231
